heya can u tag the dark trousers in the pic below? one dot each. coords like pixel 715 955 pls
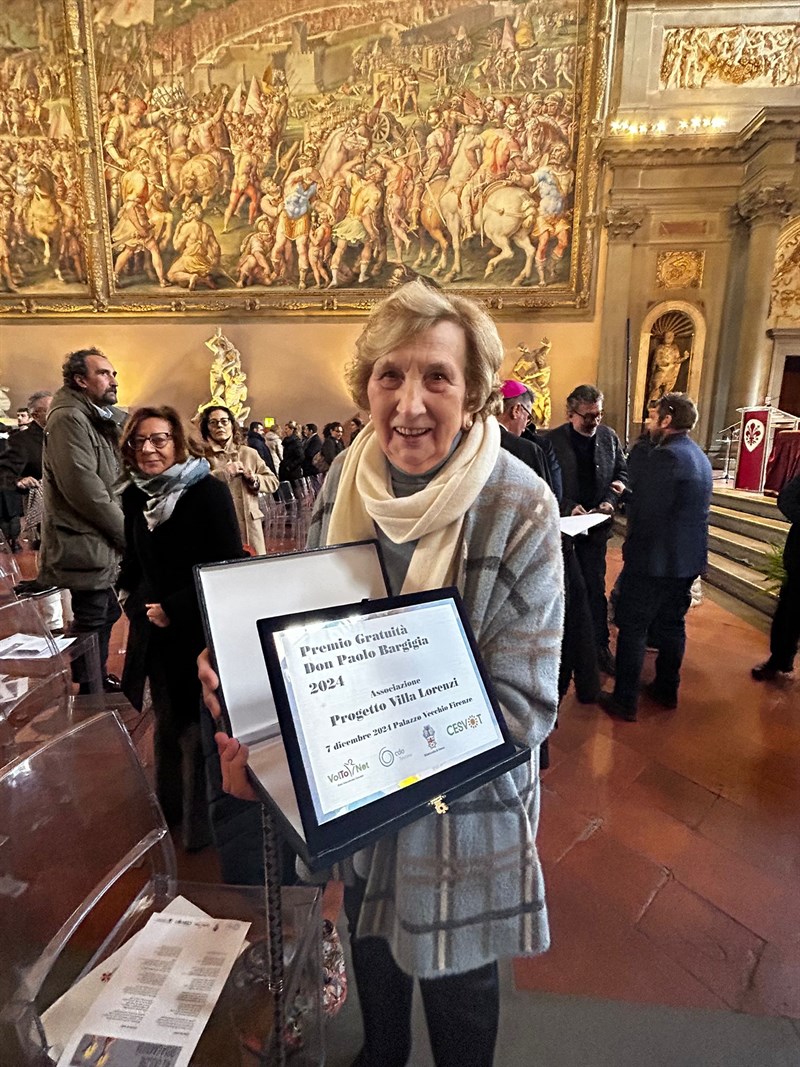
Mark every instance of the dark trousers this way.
pixel 179 763
pixel 94 611
pixel 785 633
pixel 461 1010
pixel 590 552
pixel 658 605
pixel 578 651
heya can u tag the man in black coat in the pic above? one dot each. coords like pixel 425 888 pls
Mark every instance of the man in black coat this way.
pixel 666 548
pixel 594 474
pixel 517 405
pixel 785 633
pixel 312 445
pixel 21 464
pixel 255 440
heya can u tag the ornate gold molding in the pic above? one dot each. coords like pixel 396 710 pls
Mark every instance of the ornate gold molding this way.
pixel 680 269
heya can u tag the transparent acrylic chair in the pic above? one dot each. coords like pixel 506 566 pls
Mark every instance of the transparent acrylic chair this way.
pixel 85 859
pixel 35 682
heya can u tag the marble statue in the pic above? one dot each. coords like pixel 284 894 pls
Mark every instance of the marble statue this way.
pixel 227 380
pixel 533 369
pixel 667 360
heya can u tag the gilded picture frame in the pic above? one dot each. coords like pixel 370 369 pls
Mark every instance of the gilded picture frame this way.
pixel 226 157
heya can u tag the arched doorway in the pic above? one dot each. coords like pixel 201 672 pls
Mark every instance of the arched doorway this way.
pixel 670 357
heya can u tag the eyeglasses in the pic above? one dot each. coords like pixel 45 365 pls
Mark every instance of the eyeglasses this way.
pixel 591 416
pixel 219 422
pixel 157 440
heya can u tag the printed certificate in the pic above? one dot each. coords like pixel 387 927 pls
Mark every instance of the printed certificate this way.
pixel 383 700
pixel 382 705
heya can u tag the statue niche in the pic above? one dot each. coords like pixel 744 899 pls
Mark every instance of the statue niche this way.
pixel 669 356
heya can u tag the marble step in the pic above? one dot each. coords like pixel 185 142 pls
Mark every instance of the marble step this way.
pixel 770 530
pixel 742 582
pixel 747 503
pixel 743 549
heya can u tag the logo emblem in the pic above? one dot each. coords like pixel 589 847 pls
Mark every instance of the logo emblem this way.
pixel 386 756
pixel 430 736
pixel 753 434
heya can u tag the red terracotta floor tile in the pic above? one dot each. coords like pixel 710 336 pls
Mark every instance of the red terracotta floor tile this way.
pixel 775 989
pixel 560 826
pixel 719 952
pixel 766 905
pixel 624 879
pixel 672 793
pixel 754 836
pixel 595 773
pixel 595 952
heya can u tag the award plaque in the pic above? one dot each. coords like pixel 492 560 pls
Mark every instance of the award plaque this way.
pixel 235 595
pixel 386 713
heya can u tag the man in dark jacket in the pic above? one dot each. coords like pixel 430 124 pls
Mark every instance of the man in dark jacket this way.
pixel 594 474
pixel 21 463
pixel 785 633
pixel 256 441
pixel 312 445
pixel 82 530
pixel 666 548
pixel 517 404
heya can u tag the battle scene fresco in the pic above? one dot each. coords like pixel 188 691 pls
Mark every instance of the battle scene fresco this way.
pixel 284 151
pixel 41 220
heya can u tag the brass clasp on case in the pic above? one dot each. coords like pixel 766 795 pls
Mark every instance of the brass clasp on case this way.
pixel 439 805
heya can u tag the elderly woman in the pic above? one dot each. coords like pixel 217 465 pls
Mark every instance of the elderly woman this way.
pixel 448 896
pixel 241 467
pixel 176 515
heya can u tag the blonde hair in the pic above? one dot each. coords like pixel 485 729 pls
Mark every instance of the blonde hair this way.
pixel 408 312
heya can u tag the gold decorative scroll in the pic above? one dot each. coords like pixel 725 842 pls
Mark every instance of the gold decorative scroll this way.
pixel 680 269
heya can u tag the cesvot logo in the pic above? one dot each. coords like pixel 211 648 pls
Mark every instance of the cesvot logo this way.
pixel 471 722
pixel 350 770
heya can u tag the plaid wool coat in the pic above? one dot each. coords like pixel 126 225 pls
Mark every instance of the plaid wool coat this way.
pixel 453 892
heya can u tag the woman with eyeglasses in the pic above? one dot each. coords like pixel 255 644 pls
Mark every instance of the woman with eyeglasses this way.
pixel 241 467
pixel 176 515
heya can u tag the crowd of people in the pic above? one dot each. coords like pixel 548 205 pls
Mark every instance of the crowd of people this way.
pixel 459 488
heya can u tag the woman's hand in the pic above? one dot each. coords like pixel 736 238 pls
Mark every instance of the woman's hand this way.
pixel 157 615
pixel 232 754
pixel 233 757
pixel 233 468
pixel 209 680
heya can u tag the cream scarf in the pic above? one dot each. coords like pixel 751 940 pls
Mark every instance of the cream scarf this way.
pixel 433 517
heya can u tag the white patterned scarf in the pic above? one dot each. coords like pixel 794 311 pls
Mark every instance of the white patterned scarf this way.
pixel 166 489
pixel 433 517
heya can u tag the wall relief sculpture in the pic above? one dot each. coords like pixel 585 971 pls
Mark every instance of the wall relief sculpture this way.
pixel 681 269
pixel 699 57
pixel 785 301
pixel 295 156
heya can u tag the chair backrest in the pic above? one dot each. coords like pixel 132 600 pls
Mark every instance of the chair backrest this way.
pixel 9 567
pixel 30 684
pixel 85 857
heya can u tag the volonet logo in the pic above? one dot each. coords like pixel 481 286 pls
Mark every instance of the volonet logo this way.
pixel 471 722
pixel 351 769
